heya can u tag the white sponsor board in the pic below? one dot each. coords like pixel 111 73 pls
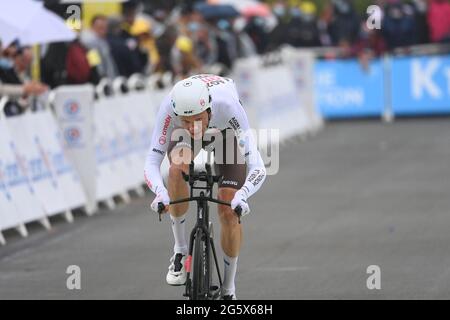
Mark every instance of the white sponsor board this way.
pixel 30 146
pixel 57 161
pixel 276 92
pixel 301 66
pixel 16 177
pixel 74 113
pixel 109 170
pixel 9 213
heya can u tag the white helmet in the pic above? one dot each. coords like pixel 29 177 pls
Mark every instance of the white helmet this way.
pixel 190 97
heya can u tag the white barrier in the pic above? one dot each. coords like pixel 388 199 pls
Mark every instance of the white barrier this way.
pixel 110 167
pixel 55 183
pixel 277 92
pixel 56 159
pixel 74 114
pixel 114 132
pixel 10 214
pixel 130 126
pixel 32 164
pixel 301 66
pixel 246 78
pixel 144 120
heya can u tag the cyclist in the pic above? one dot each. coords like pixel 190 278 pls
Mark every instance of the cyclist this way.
pixel 201 107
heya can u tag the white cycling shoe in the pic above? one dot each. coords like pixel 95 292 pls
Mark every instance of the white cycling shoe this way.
pixel 177 272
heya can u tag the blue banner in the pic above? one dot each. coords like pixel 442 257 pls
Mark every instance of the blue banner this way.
pixel 421 85
pixel 344 89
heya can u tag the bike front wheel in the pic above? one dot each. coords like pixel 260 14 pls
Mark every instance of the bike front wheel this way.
pixel 201 272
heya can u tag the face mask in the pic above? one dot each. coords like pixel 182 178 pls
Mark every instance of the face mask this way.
pixel 239 25
pixel 295 12
pixel 421 5
pixel 223 25
pixel 193 26
pixel 279 10
pixel 308 17
pixel 259 21
pixel 342 6
pixel 6 63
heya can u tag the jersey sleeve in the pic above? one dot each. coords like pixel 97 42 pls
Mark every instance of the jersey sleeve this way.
pixel 256 173
pixel 162 131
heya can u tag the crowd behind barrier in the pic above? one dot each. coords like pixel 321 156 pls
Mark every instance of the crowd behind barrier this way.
pixel 85 145
pixel 186 37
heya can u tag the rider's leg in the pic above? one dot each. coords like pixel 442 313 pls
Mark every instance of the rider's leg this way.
pixel 234 174
pixel 231 237
pixel 180 158
pixel 178 189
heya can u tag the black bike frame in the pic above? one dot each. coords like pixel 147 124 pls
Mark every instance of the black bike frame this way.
pixel 202 222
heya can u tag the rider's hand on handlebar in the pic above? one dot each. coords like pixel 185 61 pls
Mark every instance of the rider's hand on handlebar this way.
pixel 163 197
pixel 240 199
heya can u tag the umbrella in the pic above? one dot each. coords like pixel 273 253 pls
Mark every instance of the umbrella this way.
pixel 259 10
pixel 248 8
pixel 12 15
pixel 7 34
pixel 30 23
pixel 91 1
pixel 216 11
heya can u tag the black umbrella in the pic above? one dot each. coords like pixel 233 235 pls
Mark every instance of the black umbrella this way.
pixel 209 11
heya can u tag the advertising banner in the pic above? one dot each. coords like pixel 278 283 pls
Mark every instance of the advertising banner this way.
pixel 344 89
pixel 421 85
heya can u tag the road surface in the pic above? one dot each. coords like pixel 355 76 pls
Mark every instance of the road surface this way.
pixel 358 194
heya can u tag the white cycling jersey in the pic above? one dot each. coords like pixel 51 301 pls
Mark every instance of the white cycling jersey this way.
pixel 226 112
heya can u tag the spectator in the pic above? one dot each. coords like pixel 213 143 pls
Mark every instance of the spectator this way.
pixel 277 36
pixel 399 25
pixel 205 44
pixel 344 24
pixel 141 29
pixel 126 61
pixel 81 65
pixel 14 62
pixel 53 64
pixel 165 44
pixel 302 30
pixel 370 45
pixel 95 40
pixel 138 57
pixel 69 63
pixel 22 62
pixel 183 58
pixel 7 72
pixel 245 45
pixel 370 42
pixel 420 8
pixel 226 43
pixel 439 20
pixel 325 19
pixel 255 29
